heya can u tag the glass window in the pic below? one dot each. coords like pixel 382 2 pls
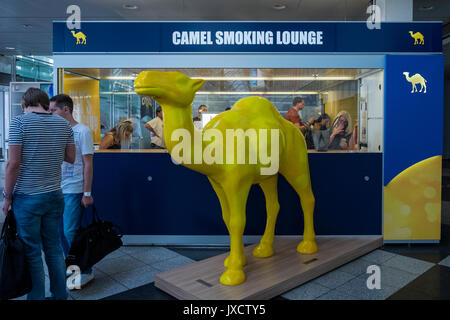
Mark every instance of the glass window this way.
pixel 342 99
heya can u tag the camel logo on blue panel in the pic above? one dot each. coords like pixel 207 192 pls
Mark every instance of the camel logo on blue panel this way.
pixel 416 79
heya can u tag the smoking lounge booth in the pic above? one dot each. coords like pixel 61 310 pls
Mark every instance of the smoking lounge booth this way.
pixel 389 80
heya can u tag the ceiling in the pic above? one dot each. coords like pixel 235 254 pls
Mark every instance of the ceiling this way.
pixel 26 25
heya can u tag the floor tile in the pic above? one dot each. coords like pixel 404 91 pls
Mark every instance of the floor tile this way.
pixel 99 288
pixel 146 292
pixel 395 278
pixel 333 279
pixel 336 295
pixel 136 277
pixel 355 267
pixel 445 262
pixel 152 255
pixel 117 265
pixel 115 254
pixel 407 264
pixel 307 291
pixel 198 254
pixel 434 283
pixel 172 263
pixel 378 256
pixel 358 288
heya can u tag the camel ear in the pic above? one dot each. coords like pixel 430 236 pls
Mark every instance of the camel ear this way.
pixel 197 84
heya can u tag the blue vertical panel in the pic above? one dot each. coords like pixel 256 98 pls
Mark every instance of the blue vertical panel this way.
pixel 413 121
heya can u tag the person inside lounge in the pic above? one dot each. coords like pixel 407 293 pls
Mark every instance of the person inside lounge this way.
pixel 118 137
pixel 342 137
pixel 156 127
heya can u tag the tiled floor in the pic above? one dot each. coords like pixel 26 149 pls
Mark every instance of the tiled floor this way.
pixel 407 272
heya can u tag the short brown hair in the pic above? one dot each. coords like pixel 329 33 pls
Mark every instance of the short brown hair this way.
pixel 34 97
pixel 297 100
pixel 63 100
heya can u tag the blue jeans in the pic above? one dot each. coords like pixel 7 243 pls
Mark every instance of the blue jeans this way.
pixel 73 213
pixel 38 217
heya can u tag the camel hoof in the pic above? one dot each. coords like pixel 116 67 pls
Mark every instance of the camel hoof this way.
pixel 232 277
pixel 242 262
pixel 263 251
pixel 307 247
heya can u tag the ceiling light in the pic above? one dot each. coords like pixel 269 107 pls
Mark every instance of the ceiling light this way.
pixel 10 48
pixel 130 6
pixel 299 78
pixel 279 6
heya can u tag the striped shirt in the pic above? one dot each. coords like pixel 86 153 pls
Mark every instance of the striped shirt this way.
pixel 44 138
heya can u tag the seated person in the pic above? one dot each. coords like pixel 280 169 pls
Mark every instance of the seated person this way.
pixel 341 134
pixel 118 137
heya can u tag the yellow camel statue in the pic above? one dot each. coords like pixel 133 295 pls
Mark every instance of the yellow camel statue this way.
pixel 418 37
pixel 79 35
pixel 175 92
pixel 415 79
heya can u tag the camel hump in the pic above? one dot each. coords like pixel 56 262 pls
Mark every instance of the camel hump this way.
pixel 257 105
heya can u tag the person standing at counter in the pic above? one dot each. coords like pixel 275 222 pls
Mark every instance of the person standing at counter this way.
pixel 292 115
pixel 39 142
pixel 156 127
pixel 76 178
pixel 118 137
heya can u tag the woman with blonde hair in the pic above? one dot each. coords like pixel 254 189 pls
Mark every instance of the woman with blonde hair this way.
pixel 342 137
pixel 118 136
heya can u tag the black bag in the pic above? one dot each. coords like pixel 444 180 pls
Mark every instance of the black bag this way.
pixel 92 243
pixel 15 277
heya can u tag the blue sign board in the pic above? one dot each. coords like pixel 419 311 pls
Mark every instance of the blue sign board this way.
pixel 246 37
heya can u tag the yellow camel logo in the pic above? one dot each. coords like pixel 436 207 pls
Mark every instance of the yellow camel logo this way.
pixel 79 36
pixel 416 79
pixel 418 37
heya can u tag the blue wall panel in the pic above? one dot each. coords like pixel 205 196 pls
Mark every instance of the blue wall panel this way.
pixel 178 201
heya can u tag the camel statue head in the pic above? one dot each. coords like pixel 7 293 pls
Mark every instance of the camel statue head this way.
pixel 406 74
pixel 168 88
pixel 410 32
pixel 73 32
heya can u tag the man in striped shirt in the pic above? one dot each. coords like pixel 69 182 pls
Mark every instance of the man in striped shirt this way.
pixel 38 144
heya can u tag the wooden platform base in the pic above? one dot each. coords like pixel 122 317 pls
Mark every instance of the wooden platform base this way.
pixel 266 277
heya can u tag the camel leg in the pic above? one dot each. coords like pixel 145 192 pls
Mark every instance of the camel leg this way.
pixel 236 193
pixel 225 211
pixel 296 172
pixel 265 247
pixel 425 87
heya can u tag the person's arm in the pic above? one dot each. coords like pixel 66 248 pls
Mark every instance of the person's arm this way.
pixel 149 127
pixel 11 175
pixel 353 142
pixel 69 155
pixel 106 141
pixel 88 169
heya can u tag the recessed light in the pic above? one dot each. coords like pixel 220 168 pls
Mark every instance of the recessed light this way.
pixel 26 25
pixel 10 48
pixel 279 6
pixel 426 7
pixel 130 6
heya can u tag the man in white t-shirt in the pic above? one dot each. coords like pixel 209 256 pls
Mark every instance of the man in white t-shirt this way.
pixel 156 127
pixel 76 178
